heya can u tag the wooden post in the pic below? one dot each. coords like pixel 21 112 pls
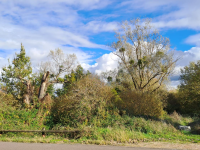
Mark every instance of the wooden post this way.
pixel 43 133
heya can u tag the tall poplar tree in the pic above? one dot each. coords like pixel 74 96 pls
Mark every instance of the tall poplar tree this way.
pixel 144 55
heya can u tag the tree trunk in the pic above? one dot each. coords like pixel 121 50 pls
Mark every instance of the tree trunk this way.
pixel 26 99
pixel 29 93
pixel 43 86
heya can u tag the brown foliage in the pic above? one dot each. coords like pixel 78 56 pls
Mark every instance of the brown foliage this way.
pixel 138 103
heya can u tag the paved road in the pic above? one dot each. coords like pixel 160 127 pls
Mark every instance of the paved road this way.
pixel 41 146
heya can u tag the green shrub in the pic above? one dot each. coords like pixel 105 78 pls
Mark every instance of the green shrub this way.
pixel 14 117
pixel 88 101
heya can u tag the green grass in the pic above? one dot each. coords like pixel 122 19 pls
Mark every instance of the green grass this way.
pixel 104 136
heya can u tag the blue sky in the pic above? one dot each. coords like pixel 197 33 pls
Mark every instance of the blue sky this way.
pixel 86 27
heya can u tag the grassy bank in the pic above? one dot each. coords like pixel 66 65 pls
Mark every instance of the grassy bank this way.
pixel 126 130
pixel 113 129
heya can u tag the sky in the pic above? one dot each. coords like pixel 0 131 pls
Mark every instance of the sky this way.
pixel 86 28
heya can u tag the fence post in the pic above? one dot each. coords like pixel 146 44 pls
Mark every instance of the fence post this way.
pixel 1 132
pixel 43 133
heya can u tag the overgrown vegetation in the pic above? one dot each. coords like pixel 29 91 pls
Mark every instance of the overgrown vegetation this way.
pixel 133 105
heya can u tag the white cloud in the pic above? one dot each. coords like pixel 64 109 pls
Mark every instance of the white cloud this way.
pixel 173 84
pixel 173 13
pixel 192 55
pixel 80 4
pixel 104 63
pixel 193 39
pixel 3 63
pixel 147 6
pixel 43 25
pixel 187 56
pixel 184 16
pixel 99 26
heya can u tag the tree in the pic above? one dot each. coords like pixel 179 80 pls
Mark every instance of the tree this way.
pixel 189 89
pixel 71 78
pixel 144 55
pixel 55 68
pixel 18 79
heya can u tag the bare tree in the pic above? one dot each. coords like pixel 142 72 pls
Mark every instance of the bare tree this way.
pixel 52 70
pixel 143 54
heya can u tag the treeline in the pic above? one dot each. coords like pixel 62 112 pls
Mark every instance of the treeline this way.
pixel 136 88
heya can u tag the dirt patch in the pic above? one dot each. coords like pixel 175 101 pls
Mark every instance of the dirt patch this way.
pixel 185 146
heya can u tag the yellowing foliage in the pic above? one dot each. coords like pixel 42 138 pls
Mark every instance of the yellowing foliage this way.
pixel 138 103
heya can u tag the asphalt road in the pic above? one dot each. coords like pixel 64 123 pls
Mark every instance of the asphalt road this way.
pixel 41 146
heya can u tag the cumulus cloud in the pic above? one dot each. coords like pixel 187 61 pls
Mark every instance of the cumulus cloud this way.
pixel 191 55
pixel 104 63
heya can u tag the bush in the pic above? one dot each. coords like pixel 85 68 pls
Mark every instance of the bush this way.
pixel 138 103
pixel 13 118
pixel 7 99
pixel 89 98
